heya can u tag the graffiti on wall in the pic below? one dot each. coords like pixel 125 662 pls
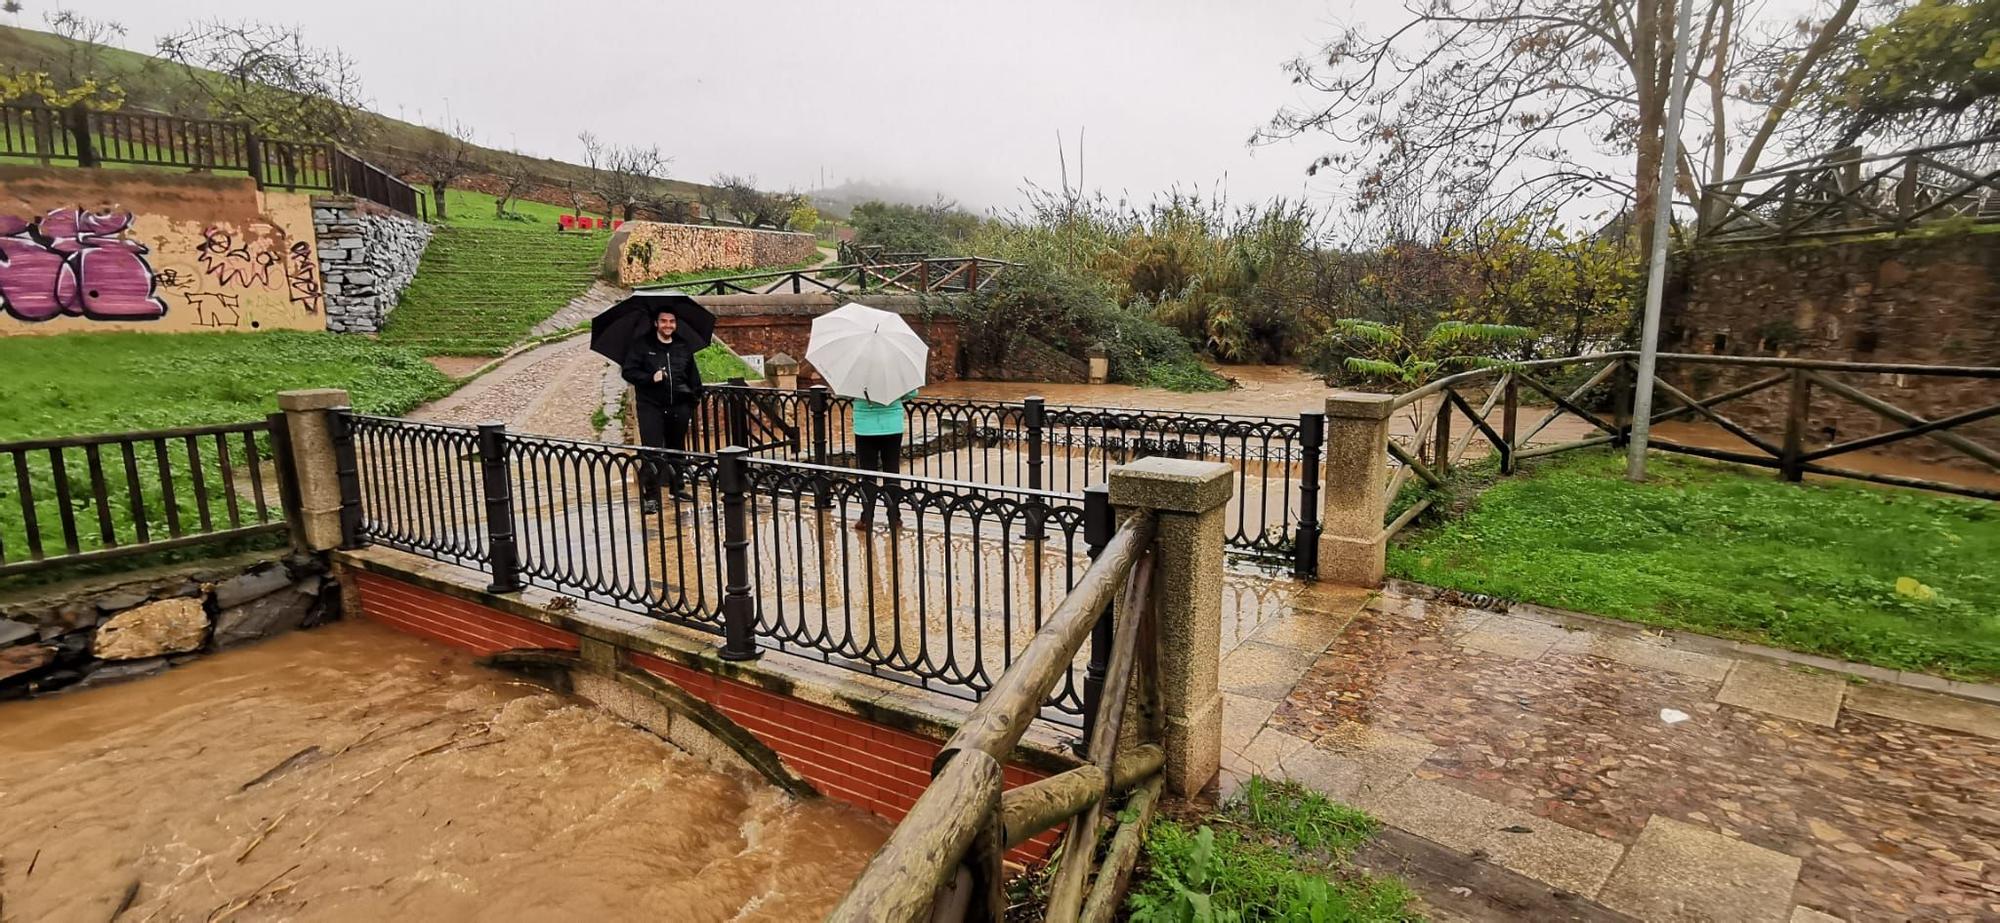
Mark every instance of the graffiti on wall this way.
pixel 213 309
pixel 76 262
pixel 302 275
pixel 236 259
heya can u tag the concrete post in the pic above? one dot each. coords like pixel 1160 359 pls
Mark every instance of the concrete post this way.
pixel 1351 545
pixel 1100 365
pixel 313 462
pixel 1188 497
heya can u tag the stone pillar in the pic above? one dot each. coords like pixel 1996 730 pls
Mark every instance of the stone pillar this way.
pixel 312 457
pixel 1188 498
pixel 1100 365
pixel 783 371
pixel 1352 499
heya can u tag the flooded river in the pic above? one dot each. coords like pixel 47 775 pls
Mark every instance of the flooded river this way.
pixel 353 773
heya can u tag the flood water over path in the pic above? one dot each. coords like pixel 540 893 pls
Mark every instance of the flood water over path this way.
pixel 355 773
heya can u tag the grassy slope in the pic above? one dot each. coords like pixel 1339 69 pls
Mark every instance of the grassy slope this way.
pixel 152 84
pixel 118 382
pixel 109 382
pixel 1720 550
pixel 484 283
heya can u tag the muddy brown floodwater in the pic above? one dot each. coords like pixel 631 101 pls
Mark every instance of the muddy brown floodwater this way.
pixel 353 773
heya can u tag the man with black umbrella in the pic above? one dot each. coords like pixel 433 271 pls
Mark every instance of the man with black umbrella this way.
pixel 661 369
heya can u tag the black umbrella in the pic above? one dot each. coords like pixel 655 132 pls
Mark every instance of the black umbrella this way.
pixel 612 332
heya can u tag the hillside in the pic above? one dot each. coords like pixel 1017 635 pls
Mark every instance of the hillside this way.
pixel 156 85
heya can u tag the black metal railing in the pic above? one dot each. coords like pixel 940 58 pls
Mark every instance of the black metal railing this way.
pixel 938 583
pixel 89 139
pixel 1035 445
pixel 935 583
pixel 79 499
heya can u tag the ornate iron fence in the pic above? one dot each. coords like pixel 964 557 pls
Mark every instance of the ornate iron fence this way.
pixel 1031 444
pixel 935 583
pixel 80 499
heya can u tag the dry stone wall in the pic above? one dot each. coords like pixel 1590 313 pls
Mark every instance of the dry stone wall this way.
pixel 641 251
pixel 141 623
pixel 368 255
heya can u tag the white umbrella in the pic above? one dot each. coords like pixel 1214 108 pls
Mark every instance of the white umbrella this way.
pixel 867 353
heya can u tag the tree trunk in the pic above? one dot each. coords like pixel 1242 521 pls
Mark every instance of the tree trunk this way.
pixel 1650 47
pixel 437 195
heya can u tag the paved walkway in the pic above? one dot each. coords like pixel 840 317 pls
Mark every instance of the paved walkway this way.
pixel 1661 781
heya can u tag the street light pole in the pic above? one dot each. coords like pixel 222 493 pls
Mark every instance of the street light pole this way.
pixel 1656 276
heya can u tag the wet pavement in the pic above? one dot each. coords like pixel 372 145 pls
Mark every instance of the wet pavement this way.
pixel 1665 782
pixel 355 773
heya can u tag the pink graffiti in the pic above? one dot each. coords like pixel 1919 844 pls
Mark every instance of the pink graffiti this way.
pixel 72 261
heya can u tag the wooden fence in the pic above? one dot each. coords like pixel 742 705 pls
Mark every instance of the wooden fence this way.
pixel 1848 193
pixel 1597 391
pixel 94 139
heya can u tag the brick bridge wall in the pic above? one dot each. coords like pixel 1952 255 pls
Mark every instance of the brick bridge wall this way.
pixel 763 325
pixel 846 757
pixel 1931 300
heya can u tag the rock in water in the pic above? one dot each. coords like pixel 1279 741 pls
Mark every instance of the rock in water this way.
pixel 169 626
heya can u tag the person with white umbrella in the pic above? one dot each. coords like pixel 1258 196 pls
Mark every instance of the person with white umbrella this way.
pixel 874 357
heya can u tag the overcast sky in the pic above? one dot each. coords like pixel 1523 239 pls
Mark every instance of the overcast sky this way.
pixel 961 97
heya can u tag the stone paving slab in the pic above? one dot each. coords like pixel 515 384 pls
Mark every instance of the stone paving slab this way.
pixel 1680 871
pixel 1306 632
pixel 1242 718
pixel 1514 637
pixel 1926 708
pixel 1809 915
pixel 1516 840
pixel 1263 671
pixel 1887 811
pixel 1785 692
pixel 1648 654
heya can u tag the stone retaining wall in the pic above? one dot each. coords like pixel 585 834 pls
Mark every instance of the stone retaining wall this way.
pixel 138 624
pixel 640 251
pixel 367 256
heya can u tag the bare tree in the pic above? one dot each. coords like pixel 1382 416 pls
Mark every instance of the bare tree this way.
pixel 622 175
pixel 517 176
pixel 1511 101
pixel 751 207
pixel 81 59
pixel 448 156
pixel 271 78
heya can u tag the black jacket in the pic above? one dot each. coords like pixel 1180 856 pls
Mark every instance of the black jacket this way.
pixel 682 383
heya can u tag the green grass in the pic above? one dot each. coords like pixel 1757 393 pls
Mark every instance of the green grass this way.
pixel 1890 577
pixel 469 209
pixel 116 382
pixel 481 288
pixel 1276 852
pixel 120 382
pixel 718 363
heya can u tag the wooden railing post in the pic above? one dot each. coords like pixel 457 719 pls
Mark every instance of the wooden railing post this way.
pixel 76 120
pixel 1441 438
pixel 1509 407
pixel 503 558
pixel 1621 404
pixel 739 616
pixel 1791 465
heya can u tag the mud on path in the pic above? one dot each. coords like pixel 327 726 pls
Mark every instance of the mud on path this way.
pixel 352 772
pixel 551 390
